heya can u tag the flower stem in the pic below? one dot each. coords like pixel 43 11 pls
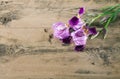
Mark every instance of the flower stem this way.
pixel 95 18
pixel 110 11
pixel 108 22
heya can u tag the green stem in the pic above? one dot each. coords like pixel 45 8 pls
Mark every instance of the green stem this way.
pixel 108 22
pixel 107 12
pixel 95 18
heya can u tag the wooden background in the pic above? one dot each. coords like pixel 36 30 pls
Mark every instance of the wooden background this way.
pixel 27 52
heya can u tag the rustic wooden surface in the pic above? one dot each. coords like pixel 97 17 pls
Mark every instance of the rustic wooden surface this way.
pixel 26 51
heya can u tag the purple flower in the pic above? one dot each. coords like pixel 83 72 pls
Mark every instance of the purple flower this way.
pixel 61 31
pixel 77 31
pixel 76 23
pixel 79 37
pixel 81 11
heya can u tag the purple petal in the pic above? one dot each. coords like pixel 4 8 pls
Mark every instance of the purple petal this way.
pixel 67 40
pixel 81 10
pixel 79 47
pixel 80 40
pixel 79 34
pixel 61 34
pixel 93 31
pixel 79 25
pixel 60 30
pixel 59 26
pixel 79 37
pixel 74 21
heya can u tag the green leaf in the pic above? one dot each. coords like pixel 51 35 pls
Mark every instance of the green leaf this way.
pixel 110 8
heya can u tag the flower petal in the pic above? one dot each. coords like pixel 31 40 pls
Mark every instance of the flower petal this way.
pixel 61 34
pixel 73 21
pixel 58 26
pixel 79 37
pixel 79 47
pixel 92 31
pixel 79 25
pixel 81 11
pixel 79 34
pixel 80 40
pixel 60 30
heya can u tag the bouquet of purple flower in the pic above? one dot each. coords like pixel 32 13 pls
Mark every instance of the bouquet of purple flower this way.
pixel 77 30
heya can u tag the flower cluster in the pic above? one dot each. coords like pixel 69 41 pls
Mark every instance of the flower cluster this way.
pixel 76 31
